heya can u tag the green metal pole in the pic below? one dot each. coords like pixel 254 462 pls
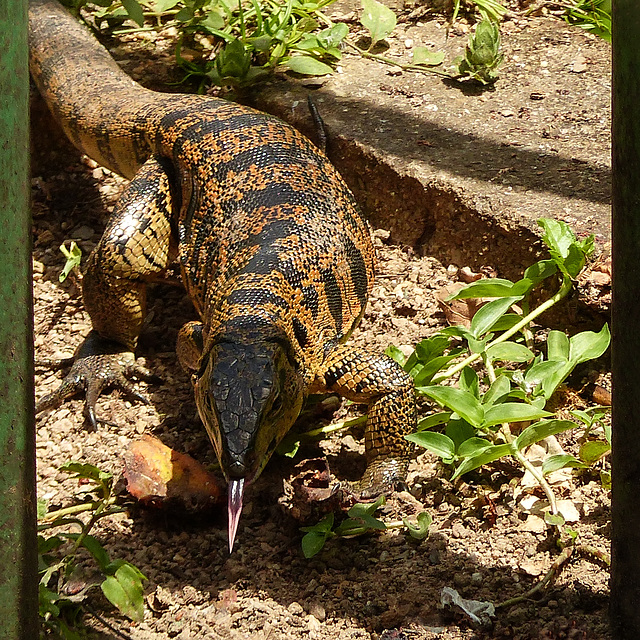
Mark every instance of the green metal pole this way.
pixel 18 554
pixel 625 465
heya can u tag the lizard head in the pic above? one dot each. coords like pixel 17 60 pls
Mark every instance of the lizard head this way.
pixel 249 394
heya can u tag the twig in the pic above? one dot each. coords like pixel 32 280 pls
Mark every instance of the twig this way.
pixel 394 63
pixel 507 435
pixel 108 625
pixel 553 572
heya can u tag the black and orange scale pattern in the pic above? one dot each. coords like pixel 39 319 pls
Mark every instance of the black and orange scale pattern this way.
pixel 269 239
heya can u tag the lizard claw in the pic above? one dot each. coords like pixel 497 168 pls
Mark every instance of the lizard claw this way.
pixel 383 476
pixel 98 363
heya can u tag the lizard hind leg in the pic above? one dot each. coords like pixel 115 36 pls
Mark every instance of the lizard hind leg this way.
pixel 134 249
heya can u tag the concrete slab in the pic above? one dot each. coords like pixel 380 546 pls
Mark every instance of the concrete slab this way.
pixel 462 173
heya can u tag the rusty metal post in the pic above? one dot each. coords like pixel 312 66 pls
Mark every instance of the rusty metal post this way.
pixel 625 516
pixel 18 553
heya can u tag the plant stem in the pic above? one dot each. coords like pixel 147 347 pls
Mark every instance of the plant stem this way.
pixel 540 479
pixel 547 304
pixel 508 437
pixel 393 63
pixel 345 424
pixel 78 508
pixel 550 575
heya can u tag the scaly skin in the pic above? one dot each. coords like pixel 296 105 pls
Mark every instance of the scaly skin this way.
pixel 273 251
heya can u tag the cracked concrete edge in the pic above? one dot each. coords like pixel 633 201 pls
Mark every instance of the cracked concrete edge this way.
pixel 418 205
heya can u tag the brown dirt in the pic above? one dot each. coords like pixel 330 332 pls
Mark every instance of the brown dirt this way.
pixel 383 586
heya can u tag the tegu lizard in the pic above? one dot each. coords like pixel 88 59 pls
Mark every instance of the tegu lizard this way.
pixel 273 252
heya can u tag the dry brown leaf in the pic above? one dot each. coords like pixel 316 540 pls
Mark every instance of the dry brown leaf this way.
pixel 602 396
pixel 457 311
pixel 155 473
pixel 467 275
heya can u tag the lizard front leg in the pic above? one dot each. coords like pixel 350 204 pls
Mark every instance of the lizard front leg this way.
pixel 380 382
pixel 134 249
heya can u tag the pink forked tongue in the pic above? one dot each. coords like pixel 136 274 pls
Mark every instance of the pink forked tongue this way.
pixel 235 491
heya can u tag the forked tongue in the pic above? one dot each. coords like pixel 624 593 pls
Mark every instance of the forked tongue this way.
pixel 235 491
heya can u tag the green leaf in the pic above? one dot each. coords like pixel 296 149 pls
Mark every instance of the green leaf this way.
pixel 49 544
pixel 557 236
pixel 361 516
pixel 484 288
pixel 593 450
pixel 73 256
pixel 87 471
pixel 505 322
pixel 568 253
pixel 359 525
pixel 469 381
pixel 557 346
pixel 308 66
pixel 512 412
pixel 316 537
pixel 364 509
pixel 465 404
pixel 421 531
pixel 325 525
pixel 588 345
pixel 42 508
pixel 489 314
pixel 473 447
pixel 479 346
pixel 554 520
pixel 433 420
pixel 333 36
pixel 395 354
pixel 289 445
pixel 548 375
pixel 541 430
pixel 490 454
pixel 213 22
pixel 379 20
pixel 312 544
pixel 427 349
pixel 459 431
pixel 437 443
pixel 134 10
pixel 424 374
pixel 510 352
pixel 161 6
pixel 561 461
pixel 541 270
pixel 592 415
pixel 92 545
pixel 422 55
pixel 124 590
pixel 233 61
pixel 499 388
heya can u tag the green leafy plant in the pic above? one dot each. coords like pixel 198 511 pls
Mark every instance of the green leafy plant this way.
pixel 489 9
pixel 592 15
pixel 482 55
pixel 74 256
pixel 250 39
pixel 378 19
pixel 63 588
pixel 360 521
pixel 515 383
